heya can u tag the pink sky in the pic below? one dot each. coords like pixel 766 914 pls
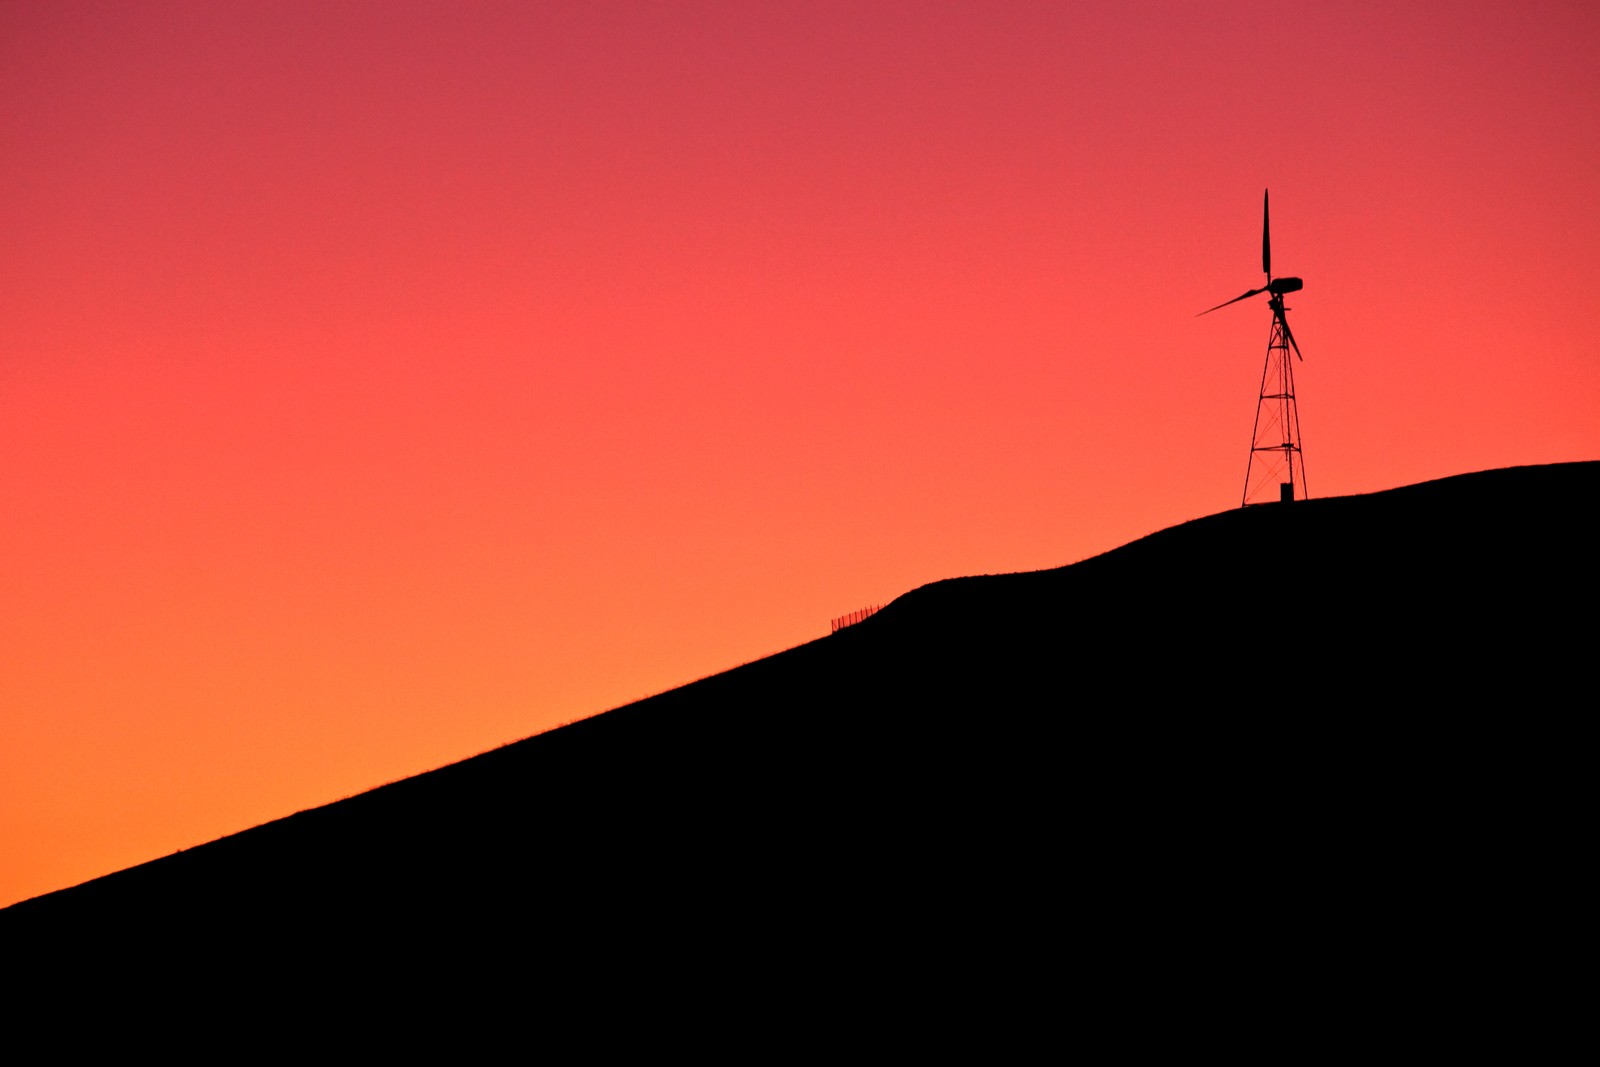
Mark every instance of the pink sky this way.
pixel 384 382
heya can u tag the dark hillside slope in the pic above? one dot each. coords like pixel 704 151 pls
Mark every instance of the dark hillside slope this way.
pixel 1315 731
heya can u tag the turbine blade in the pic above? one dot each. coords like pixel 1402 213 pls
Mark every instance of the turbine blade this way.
pixel 1283 320
pixel 1266 237
pixel 1235 300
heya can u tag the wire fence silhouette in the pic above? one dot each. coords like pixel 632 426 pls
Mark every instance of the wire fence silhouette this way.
pixel 854 617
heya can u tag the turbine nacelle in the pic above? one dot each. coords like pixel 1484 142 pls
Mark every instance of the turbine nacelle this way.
pixel 1279 286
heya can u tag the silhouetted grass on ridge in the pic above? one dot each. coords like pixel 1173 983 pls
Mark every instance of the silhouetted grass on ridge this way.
pixel 1163 750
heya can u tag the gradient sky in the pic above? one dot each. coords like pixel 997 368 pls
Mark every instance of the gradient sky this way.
pixel 383 382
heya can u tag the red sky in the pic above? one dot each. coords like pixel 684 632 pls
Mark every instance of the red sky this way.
pixel 383 382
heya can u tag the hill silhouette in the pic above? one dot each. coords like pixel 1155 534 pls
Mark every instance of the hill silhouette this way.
pixel 1286 740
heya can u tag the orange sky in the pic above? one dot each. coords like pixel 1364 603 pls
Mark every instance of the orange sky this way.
pixel 383 382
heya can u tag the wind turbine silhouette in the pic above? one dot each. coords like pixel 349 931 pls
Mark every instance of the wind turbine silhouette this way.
pixel 1275 446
